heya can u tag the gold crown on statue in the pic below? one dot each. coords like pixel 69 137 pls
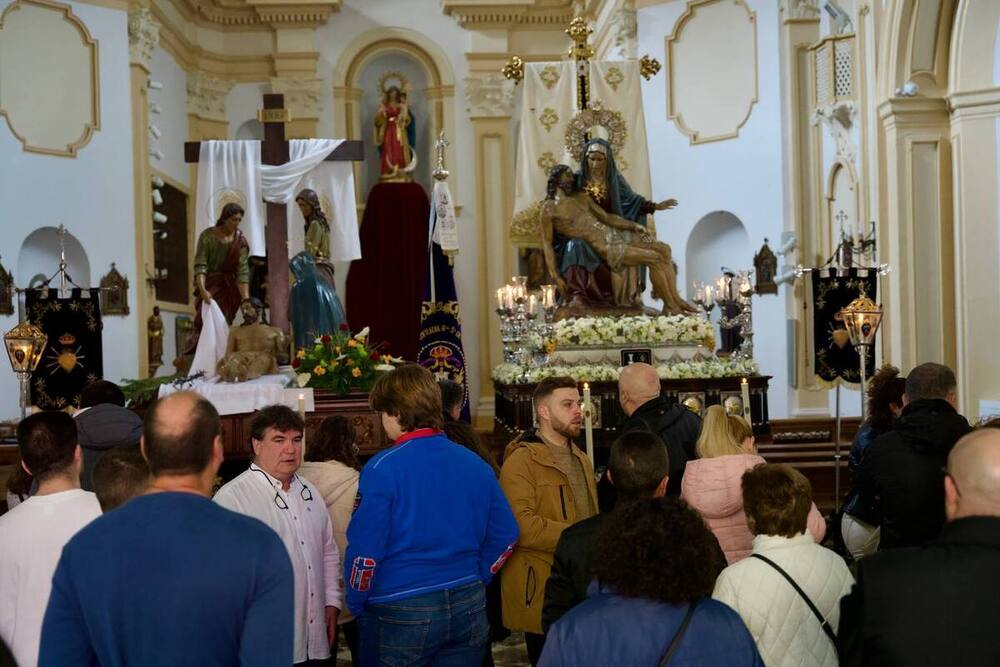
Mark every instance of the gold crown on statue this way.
pixel 67 339
pixel 393 78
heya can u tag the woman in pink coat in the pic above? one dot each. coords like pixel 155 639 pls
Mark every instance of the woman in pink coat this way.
pixel 711 483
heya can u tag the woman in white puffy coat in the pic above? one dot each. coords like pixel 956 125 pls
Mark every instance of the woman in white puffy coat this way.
pixel 777 499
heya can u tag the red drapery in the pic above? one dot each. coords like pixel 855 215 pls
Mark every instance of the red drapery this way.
pixel 386 286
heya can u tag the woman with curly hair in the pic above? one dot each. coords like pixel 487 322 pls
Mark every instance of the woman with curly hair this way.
pixel 859 525
pixel 650 602
pixel 332 466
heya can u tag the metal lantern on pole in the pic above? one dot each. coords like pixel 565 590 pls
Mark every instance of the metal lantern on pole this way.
pixel 862 318
pixel 25 344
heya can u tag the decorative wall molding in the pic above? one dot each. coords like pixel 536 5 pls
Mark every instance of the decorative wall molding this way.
pixel 17 107
pixel 206 95
pixel 474 15
pixel 626 30
pixel 303 96
pixel 690 123
pixel 839 119
pixel 799 10
pixel 244 13
pixel 489 95
pixel 143 36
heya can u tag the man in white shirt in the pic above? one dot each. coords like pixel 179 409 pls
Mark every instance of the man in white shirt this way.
pixel 33 534
pixel 272 492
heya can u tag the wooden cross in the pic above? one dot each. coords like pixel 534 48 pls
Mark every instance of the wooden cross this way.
pixel 274 151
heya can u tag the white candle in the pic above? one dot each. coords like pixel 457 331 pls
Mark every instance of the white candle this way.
pixel 745 392
pixel 500 303
pixel 588 421
pixel 302 414
pixel 709 299
pixel 531 304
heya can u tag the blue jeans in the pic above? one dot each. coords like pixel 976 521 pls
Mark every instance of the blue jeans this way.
pixel 445 629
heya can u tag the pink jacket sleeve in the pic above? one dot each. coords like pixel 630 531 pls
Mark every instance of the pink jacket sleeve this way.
pixel 816 524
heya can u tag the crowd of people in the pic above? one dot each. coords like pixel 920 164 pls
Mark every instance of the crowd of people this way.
pixel 120 549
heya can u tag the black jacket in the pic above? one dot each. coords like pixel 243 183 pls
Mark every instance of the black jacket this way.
pixel 571 568
pixel 677 426
pixel 903 471
pixel 936 605
pixel 857 504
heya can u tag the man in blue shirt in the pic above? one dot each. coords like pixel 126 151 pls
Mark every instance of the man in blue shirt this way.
pixel 171 578
pixel 431 527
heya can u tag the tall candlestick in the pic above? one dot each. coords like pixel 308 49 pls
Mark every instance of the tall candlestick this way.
pixel 745 393
pixel 588 421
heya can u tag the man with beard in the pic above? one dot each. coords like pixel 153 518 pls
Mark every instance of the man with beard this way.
pixel 550 486
pixel 254 348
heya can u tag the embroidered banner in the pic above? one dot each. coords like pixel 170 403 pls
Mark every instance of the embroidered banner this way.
pixel 73 356
pixel 833 357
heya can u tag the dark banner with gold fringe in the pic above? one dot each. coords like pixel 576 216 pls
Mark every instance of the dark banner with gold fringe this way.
pixel 73 356
pixel 833 356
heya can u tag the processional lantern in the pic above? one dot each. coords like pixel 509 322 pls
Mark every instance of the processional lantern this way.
pixel 862 318
pixel 25 344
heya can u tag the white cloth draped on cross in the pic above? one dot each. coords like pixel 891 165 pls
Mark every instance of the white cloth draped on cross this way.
pixel 231 171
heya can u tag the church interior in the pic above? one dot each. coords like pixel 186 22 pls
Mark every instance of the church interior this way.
pixel 270 201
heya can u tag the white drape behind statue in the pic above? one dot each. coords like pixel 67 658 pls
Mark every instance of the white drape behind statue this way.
pixel 549 103
pixel 231 171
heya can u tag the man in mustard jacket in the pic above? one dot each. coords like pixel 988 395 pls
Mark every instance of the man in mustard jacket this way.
pixel 550 486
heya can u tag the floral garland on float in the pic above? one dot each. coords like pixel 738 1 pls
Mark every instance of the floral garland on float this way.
pixel 708 368
pixel 636 330
pixel 341 362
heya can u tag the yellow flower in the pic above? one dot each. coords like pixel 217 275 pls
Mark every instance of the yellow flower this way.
pixel 319 370
pixel 349 362
pixel 352 343
pixel 356 372
pixel 386 358
pixel 301 354
pixel 336 350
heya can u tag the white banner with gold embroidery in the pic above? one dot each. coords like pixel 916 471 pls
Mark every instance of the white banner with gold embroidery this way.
pixel 616 86
pixel 549 103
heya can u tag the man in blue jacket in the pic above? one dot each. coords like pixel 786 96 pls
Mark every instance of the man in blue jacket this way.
pixel 431 527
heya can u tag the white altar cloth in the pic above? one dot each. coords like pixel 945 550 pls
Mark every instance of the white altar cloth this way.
pixel 240 397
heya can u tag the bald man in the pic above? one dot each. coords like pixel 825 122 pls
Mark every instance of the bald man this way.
pixel 171 578
pixel 938 604
pixel 647 410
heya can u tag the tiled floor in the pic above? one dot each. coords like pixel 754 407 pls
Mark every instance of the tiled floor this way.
pixel 509 653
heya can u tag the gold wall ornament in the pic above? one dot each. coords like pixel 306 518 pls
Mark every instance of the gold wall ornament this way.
pixel 579 127
pixel 648 67
pixel 6 291
pixel 614 77
pixel 114 293
pixel 548 118
pixel 514 69
pixel 549 76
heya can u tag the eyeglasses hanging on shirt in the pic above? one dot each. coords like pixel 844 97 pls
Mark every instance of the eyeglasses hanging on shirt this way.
pixel 278 500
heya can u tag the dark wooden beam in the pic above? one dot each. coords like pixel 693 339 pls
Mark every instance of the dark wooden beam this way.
pixel 351 150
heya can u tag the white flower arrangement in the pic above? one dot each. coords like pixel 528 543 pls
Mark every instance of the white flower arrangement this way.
pixel 658 330
pixel 711 368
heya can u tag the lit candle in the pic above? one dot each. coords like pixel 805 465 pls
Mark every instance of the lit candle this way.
pixel 500 303
pixel 302 414
pixel 709 299
pixel 531 304
pixel 588 421
pixel 745 393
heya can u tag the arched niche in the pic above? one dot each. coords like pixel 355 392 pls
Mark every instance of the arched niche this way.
pixel 420 107
pixel 718 239
pixel 841 207
pixel 39 255
pixel 439 91
pixel 249 130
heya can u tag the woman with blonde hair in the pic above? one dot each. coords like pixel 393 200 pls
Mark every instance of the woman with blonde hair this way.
pixel 712 483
